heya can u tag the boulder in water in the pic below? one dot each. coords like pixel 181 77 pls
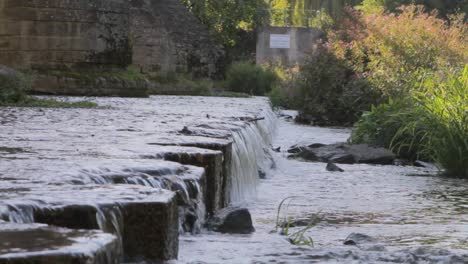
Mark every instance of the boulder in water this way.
pixel 232 220
pixel 343 153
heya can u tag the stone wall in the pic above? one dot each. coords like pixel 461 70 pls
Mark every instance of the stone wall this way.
pixel 168 38
pixel 58 33
pixel 153 35
pixel 302 42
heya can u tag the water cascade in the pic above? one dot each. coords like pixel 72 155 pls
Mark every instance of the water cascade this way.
pixel 122 184
pixel 250 155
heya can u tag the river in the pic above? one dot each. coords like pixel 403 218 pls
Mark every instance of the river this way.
pixel 413 215
pixel 175 159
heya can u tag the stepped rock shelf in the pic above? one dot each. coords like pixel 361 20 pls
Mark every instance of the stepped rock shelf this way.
pixel 120 183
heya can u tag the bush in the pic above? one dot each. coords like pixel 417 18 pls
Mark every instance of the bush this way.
pixel 445 123
pixel 379 127
pixel 285 93
pixel 13 85
pixel 432 124
pixel 244 77
pixel 332 94
pixel 391 49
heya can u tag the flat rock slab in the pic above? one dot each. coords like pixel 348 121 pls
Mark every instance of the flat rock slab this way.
pixel 343 153
pixel 145 218
pixel 41 244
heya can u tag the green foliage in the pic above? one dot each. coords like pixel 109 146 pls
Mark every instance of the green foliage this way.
pixel 381 127
pixel 245 77
pixel 226 19
pixel 445 124
pixel 297 238
pixel 13 87
pixel 230 94
pixel 432 124
pixel 300 239
pixel 332 93
pixel 29 101
pixel 307 13
pixel 91 74
pixel 443 7
pixel 286 93
pixel 391 50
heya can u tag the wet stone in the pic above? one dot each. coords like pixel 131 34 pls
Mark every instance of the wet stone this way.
pixel 333 167
pixel 355 239
pixel 233 220
pixel 41 244
pixel 343 153
pixel 128 211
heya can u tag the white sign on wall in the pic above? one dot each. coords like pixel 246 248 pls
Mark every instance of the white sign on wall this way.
pixel 280 41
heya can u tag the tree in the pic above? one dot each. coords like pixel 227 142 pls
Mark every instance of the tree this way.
pixel 229 19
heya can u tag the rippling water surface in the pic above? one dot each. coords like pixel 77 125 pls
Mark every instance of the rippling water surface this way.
pixel 415 216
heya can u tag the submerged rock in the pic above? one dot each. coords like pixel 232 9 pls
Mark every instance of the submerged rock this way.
pixel 357 238
pixel 232 220
pixel 343 153
pixel 426 165
pixel 332 167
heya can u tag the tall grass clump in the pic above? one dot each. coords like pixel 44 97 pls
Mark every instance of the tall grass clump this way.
pixel 431 124
pixel 444 125
pixel 245 77
pixel 379 126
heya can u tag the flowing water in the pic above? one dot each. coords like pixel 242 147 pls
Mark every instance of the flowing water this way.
pixel 53 158
pixel 413 215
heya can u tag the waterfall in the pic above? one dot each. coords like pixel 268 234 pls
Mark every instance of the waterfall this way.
pixel 251 154
pixel 193 210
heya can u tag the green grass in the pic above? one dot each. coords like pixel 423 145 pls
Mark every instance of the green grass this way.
pixel 445 122
pixel 130 73
pixel 297 238
pixel 48 103
pixel 230 94
pixel 430 124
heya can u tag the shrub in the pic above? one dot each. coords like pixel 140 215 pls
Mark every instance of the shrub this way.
pixel 445 103
pixel 244 77
pixel 285 93
pixel 432 124
pixel 332 94
pixel 391 49
pixel 380 125
pixel 13 85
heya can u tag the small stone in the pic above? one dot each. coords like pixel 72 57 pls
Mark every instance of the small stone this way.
pixel 186 131
pixel 261 174
pixel 332 167
pixel 316 145
pixel 357 238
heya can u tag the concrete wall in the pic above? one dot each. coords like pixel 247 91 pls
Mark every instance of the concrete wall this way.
pixel 57 33
pixel 303 42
